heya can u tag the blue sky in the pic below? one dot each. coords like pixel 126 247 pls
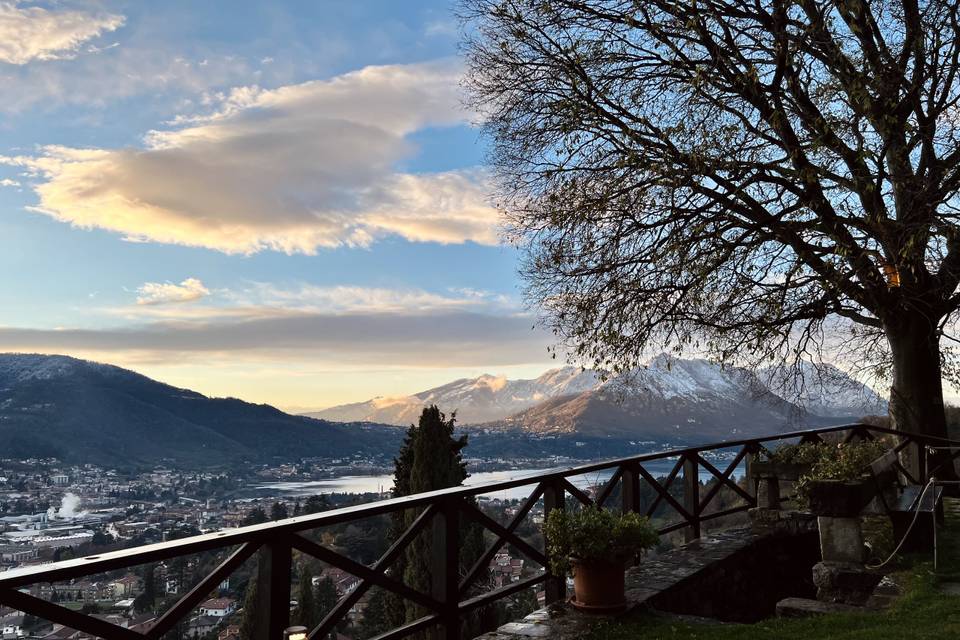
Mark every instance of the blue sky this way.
pixel 281 201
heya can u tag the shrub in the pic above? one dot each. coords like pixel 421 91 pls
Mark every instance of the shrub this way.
pixel 593 534
pixel 803 453
pixel 841 462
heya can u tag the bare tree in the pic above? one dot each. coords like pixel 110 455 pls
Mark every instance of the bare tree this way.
pixel 745 178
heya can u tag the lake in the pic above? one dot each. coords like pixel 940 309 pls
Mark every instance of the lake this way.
pixel 383 483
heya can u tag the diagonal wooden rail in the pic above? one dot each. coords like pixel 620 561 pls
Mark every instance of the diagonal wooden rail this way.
pixel 452 596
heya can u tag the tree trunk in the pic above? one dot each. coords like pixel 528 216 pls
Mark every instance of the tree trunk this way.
pixel 916 395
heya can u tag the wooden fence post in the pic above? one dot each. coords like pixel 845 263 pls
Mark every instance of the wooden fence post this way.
pixel 691 496
pixel 273 590
pixel 553 498
pixel 630 488
pixel 445 567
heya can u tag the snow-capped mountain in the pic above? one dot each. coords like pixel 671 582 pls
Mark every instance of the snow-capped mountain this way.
pixel 824 390
pixel 476 400
pixel 666 398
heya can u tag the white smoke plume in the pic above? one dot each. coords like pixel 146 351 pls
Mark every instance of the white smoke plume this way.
pixel 69 508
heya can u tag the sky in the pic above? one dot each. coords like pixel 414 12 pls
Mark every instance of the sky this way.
pixel 283 202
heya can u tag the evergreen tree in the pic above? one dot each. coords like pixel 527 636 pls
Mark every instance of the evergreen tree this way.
pixel 326 597
pixel 279 511
pixel 306 613
pixel 248 623
pixel 145 601
pixel 257 516
pixel 315 504
pixel 431 458
pixel 375 619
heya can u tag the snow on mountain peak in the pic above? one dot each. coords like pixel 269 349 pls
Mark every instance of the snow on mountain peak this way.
pixel 494 383
pixel 824 389
pixel 672 377
pixel 475 400
pixel 489 398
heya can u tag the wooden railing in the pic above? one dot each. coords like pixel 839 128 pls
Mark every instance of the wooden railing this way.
pixel 452 595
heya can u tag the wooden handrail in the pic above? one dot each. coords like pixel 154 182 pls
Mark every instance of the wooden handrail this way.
pixel 275 539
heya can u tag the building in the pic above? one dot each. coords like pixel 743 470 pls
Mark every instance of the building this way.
pixel 218 607
pixel 126 587
pixel 16 553
pixel 14 631
pixel 232 632
pixel 343 581
pixel 201 626
pixel 58 542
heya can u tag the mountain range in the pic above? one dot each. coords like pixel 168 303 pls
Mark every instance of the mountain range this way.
pixel 672 398
pixel 476 400
pixel 81 411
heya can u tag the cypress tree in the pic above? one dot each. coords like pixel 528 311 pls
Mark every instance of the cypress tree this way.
pixel 375 620
pixel 431 458
pixel 248 624
pixel 306 613
pixel 326 597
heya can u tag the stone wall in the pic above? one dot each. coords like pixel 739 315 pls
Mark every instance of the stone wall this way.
pixel 745 586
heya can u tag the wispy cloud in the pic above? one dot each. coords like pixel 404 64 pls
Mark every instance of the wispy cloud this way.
pixel 117 73
pixel 293 169
pixel 154 293
pixel 435 339
pixel 35 33
pixel 261 300
pixel 347 299
pixel 359 326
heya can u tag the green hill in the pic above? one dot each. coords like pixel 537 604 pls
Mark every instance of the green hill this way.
pixel 81 411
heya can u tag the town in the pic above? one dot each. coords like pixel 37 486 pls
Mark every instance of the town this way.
pixel 51 512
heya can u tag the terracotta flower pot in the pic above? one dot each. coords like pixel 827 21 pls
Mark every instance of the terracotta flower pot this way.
pixel 598 585
pixel 840 498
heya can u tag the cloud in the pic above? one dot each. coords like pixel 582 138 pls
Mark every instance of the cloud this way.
pixel 324 325
pixel 9 182
pixel 349 299
pixel 34 33
pixel 153 293
pixel 434 339
pixel 117 73
pixel 293 169
pixel 261 300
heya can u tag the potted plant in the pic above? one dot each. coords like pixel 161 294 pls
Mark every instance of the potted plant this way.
pixel 838 484
pixel 596 545
pixel 788 462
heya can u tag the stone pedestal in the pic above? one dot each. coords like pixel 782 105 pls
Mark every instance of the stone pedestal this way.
pixel 841 576
pixel 845 582
pixel 841 540
pixel 768 492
